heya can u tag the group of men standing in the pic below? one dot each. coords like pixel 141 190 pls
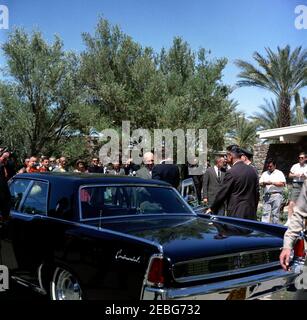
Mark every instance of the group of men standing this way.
pixel 235 189
pixel 274 181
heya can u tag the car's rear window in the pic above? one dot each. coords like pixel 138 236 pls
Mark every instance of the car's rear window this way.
pixel 105 201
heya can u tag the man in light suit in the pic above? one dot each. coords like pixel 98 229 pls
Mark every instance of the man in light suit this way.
pixel 213 179
pixel 146 171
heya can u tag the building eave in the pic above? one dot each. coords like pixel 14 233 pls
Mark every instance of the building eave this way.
pixel 285 134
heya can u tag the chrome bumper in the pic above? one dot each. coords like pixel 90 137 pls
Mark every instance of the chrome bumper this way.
pixel 251 287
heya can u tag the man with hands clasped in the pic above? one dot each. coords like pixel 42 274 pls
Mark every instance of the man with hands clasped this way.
pixel 273 181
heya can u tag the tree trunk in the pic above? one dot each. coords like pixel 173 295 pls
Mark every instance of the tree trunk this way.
pixel 33 148
pixel 298 109
pixel 284 111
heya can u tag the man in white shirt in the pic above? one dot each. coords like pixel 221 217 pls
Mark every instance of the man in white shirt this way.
pixel 298 174
pixel 273 181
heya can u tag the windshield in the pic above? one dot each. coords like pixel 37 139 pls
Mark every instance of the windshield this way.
pixel 105 201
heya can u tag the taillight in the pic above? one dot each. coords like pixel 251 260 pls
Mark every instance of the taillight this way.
pixel 156 272
pixel 299 249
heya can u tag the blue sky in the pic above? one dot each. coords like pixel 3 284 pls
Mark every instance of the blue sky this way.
pixel 233 29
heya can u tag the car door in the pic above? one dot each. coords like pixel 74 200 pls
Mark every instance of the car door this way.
pixel 26 227
pixel 18 188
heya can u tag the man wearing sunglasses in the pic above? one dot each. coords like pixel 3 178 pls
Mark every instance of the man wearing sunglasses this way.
pixel 298 174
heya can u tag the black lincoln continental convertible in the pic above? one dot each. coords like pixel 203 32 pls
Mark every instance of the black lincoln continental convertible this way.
pixel 83 236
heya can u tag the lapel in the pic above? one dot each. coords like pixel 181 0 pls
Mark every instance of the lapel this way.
pixel 222 175
pixel 146 173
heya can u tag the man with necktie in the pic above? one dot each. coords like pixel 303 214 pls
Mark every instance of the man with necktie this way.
pixel 239 188
pixel 213 179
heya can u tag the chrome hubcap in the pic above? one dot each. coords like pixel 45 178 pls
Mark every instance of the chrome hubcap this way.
pixel 67 287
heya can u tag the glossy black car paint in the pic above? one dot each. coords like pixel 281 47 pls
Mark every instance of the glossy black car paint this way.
pixel 34 245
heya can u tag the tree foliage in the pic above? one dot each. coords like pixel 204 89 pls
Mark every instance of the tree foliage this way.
pixel 176 88
pixel 243 132
pixel 283 73
pixel 270 117
pixel 50 97
pixel 42 86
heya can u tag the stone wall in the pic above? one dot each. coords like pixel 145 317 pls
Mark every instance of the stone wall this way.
pixel 260 155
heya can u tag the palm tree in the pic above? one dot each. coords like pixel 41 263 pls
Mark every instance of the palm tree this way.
pixel 283 73
pixel 269 117
pixel 243 133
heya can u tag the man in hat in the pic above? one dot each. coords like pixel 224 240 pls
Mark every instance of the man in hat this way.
pixel 247 157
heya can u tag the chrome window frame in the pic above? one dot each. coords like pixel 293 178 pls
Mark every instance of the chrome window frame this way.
pixel 130 185
pixel 25 195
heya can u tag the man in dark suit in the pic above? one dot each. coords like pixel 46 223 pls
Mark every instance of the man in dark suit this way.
pixel 167 172
pixel 247 157
pixel 239 189
pixel 213 179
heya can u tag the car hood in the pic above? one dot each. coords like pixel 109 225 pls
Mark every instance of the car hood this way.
pixel 186 237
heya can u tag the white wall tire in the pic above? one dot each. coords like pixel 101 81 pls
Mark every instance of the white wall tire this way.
pixel 65 286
